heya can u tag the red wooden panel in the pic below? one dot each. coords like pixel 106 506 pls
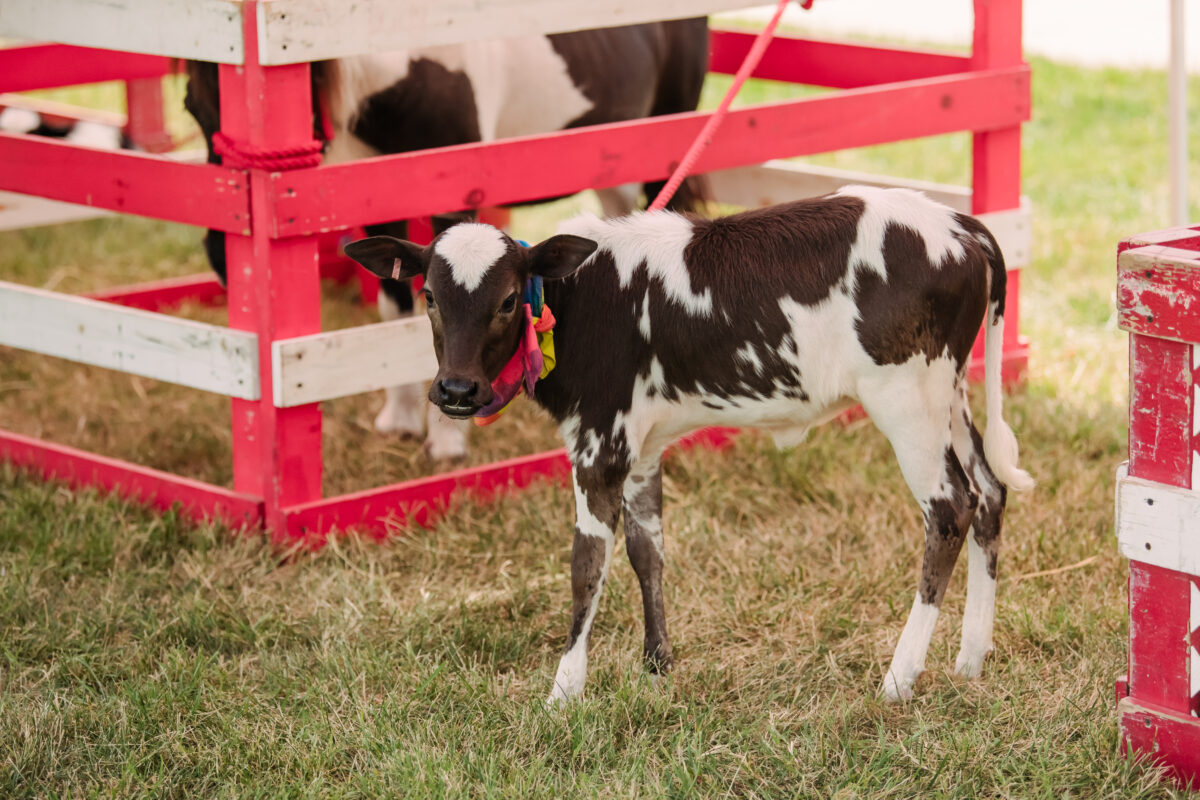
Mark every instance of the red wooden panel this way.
pixel 420 501
pixel 274 285
pixel 46 66
pixel 132 183
pixel 1165 739
pixel 1160 300
pixel 146 125
pixel 162 490
pixel 528 168
pixel 167 293
pixel 1158 628
pixel 838 65
pixel 1160 410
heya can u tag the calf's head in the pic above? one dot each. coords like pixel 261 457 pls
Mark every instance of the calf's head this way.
pixel 474 289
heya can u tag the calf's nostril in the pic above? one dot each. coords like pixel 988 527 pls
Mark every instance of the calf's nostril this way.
pixel 455 391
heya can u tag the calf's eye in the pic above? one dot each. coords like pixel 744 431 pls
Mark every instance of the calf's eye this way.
pixel 509 304
pixel 428 298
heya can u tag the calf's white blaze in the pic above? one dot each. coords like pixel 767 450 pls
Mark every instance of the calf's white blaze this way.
pixel 470 248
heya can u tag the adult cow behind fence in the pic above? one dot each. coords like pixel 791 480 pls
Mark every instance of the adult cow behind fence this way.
pixel 482 91
pixel 779 318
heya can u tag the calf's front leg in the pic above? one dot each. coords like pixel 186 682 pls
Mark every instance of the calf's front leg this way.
pixel 597 509
pixel 644 543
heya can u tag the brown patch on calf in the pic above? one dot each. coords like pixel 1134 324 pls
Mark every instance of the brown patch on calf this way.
pixel 921 308
pixel 947 521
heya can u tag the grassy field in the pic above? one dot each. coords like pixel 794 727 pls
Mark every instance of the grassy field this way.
pixel 143 656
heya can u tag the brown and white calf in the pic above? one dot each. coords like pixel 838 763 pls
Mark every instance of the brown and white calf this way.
pixel 778 318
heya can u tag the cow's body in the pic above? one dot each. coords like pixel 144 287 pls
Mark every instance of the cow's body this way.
pixel 481 91
pixel 778 318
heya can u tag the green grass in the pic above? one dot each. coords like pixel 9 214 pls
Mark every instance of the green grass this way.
pixel 144 656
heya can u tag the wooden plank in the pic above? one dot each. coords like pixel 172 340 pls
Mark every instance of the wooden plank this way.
pixel 1159 524
pixel 533 167
pixel 157 489
pixel 1158 292
pixel 1162 738
pixel 781 181
pixel 205 195
pixel 47 66
pixel 180 351
pixel 421 501
pixel 207 30
pixel 837 65
pixel 291 31
pixel 322 366
pixel 28 211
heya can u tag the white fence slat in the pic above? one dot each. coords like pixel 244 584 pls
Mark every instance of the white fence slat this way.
pixel 783 181
pixel 208 30
pixel 322 366
pixel 195 354
pixel 1159 524
pixel 291 31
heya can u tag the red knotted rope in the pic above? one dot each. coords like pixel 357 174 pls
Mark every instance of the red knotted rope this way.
pixel 244 156
pixel 710 127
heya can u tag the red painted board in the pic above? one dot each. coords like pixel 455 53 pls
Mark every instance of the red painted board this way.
pixel 838 65
pixel 1160 410
pixel 1158 628
pixel 168 293
pixel 421 501
pixel 46 66
pixel 528 168
pixel 132 183
pixel 1163 738
pixel 162 490
pixel 1161 300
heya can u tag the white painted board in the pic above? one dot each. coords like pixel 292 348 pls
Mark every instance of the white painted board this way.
pixel 1159 524
pixel 783 181
pixel 188 353
pixel 322 366
pixel 207 30
pixel 291 31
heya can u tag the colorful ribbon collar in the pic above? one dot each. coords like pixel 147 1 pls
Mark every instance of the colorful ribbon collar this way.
pixel 533 359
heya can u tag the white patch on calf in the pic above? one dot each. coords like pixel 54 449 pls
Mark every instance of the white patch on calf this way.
pixel 656 239
pixel 528 85
pixel 908 662
pixel 933 222
pixel 978 614
pixel 470 248
pixel 747 354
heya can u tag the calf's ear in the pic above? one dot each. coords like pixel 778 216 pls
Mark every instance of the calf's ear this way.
pixel 559 256
pixel 389 257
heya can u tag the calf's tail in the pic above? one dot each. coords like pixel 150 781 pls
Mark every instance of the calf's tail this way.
pixel 999 442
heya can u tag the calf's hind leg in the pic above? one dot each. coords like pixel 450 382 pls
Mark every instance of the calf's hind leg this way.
pixel 919 430
pixel 983 548
pixel 644 544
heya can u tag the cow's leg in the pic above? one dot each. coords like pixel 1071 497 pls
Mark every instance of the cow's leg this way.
pixel 983 547
pixel 914 413
pixel 644 543
pixel 618 201
pixel 403 406
pixel 597 508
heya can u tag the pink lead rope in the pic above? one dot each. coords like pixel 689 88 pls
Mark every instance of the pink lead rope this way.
pixel 710 127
